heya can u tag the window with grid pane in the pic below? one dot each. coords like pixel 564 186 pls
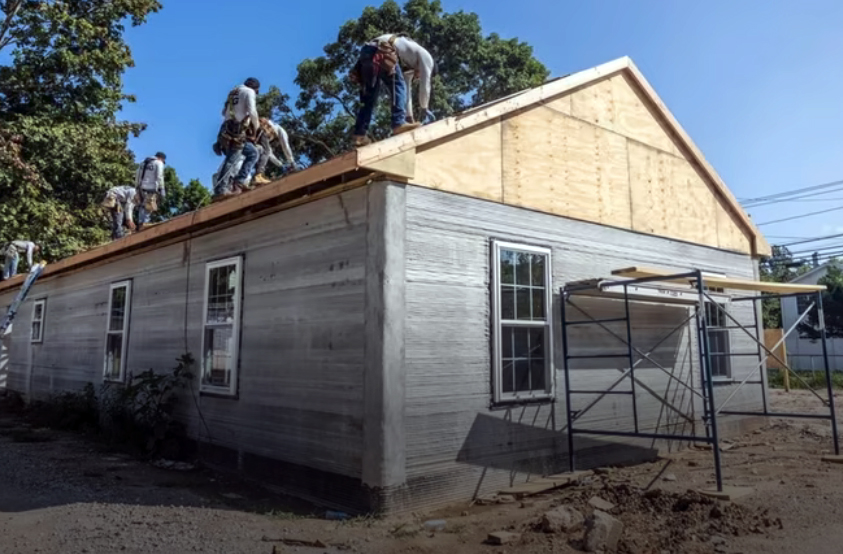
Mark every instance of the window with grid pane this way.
pixel 37 333
pixel 221 326
pixel 718 340
pixel 522 332
pixel 116 332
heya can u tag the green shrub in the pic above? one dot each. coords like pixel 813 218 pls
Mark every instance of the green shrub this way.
pixel 139 414
pixel 814 379
pixel 69 411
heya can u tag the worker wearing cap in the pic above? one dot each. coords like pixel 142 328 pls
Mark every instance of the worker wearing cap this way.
pixel 417 64
pixel 150 186
pixel 12 256
pixel 237 134
pixel 270 138
pixel 120 203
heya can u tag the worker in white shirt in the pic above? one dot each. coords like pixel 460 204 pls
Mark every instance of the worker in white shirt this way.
pixel 237 134
pixel 12 256
pixel 417 64
pixel 150 186
pixel 270 137
pixel 120 202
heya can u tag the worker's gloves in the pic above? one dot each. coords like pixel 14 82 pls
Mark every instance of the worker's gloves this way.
pixel 428 117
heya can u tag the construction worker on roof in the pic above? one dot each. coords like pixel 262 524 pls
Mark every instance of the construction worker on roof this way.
pixel 120 203
pixel 237 134
pixel 271 136
pixel 417 64
pixel 150 187
pixel 378 65
pixel 12 256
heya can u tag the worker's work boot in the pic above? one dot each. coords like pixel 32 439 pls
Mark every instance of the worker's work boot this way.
pixel 405 127
pixel 261 180
pixel 361 140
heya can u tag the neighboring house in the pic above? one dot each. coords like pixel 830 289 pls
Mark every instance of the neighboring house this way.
pixel 802 352
pixel 381 331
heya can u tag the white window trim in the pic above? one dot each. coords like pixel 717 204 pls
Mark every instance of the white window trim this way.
pixel 724 301
pixel 497 363
pixel 43 303
pixel 125 332
pixel 231 389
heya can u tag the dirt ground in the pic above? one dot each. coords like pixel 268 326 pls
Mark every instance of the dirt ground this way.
pixel 62 494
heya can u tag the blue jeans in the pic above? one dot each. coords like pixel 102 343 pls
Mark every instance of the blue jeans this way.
pixel 117 216
pixel 10 266
pixel 371 78
pixel 250 158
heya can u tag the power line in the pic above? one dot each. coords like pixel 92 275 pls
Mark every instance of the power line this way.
pixel 807 197
pixel 815 239
pixel 817 249
pixel 800 216
pixel 794 192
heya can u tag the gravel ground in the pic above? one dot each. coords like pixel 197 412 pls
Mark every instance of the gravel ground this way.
pixel 62 494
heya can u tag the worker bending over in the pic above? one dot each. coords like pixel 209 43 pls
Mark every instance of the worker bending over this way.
pixel 150 186
pixel 378 65
pixel 121 202
pixel 237 134
pixel 271 137
pixel 418 64
pixel 12 256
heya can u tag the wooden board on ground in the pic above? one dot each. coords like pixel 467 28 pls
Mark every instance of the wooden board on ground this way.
pixel 545 484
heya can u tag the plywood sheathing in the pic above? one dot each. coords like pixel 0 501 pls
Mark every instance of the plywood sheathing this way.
pixel 614 97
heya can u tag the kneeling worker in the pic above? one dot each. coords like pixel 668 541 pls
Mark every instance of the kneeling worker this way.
pixel 120 202
pixel 271 137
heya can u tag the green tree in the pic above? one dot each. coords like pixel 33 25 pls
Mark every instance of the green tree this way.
pixel 781 267
pixel 61 144
pixel 473 69
pixel 832 306
pixel 180 199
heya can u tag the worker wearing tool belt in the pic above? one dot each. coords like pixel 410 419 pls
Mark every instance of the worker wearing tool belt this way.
pixel 417 64
pixel 150 186
pixel 376 66
pixel 12 254
pixel 120 203
pixel 237 135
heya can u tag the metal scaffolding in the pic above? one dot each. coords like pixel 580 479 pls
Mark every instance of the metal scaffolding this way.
pixel 660 288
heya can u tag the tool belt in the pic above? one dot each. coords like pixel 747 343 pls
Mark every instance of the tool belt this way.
pixel 386 58
pixel 110 201
pixel 150 201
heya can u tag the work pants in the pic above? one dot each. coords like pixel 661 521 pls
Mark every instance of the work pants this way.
pixel 371 79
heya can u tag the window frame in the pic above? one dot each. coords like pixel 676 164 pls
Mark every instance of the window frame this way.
pixel 43 303
pixel 498 396
pixel 127 311
pixel 723 302
pixel 232 389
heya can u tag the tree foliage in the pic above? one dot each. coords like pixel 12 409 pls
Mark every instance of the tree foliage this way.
pixel 180 199
pixel 473 69
pixel 832 306
pixel 61 144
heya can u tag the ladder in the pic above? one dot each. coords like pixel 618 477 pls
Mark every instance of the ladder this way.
pixel 34 273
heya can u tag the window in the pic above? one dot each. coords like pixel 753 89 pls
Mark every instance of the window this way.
pixel 37 334
pixel 116 334
pixel 522 336
pixel 718 340
pixel 221 326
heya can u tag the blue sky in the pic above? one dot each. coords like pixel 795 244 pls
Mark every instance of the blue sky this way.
pixel 755 83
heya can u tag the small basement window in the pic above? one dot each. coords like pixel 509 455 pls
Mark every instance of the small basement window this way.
pixel 37 333
pixel 718 340
pixel 116 334
pixel 221 333
pixel 522 337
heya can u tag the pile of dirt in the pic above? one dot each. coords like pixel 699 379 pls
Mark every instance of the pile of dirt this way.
pixel 656 521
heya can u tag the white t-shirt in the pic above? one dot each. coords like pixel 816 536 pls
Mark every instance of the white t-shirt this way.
pixel 414 57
